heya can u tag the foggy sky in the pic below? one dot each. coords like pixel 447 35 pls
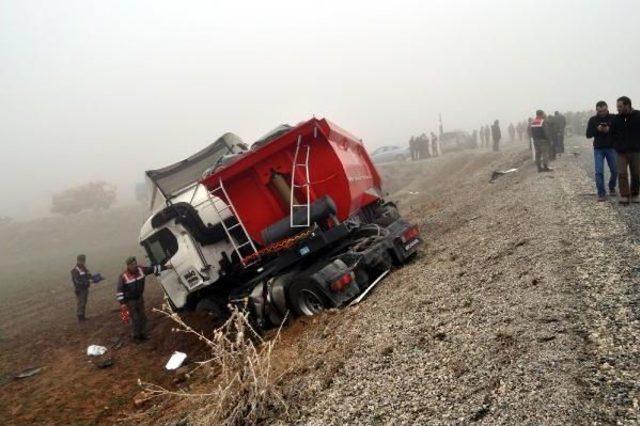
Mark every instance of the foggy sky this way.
pixel 107 89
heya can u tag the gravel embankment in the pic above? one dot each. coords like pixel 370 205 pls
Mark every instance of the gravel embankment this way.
pixel 522 308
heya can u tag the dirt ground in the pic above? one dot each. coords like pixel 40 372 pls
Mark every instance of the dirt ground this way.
pixel 523 307
pixel 38 326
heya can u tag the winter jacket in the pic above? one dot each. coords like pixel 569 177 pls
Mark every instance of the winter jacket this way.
pixel 495 132
pixel 540 129
pixel 80 277
pixel 131 285
pixel 626 132
pixel 601 140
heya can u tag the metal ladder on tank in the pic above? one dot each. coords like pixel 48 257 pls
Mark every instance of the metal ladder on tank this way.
pixel 245 239
pixel 303 164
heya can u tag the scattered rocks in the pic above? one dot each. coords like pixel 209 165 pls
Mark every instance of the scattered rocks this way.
pixel 533 329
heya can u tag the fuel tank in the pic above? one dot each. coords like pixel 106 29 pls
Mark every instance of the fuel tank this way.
pixel 330 162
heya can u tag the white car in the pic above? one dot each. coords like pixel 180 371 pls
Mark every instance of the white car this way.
pixel 388 153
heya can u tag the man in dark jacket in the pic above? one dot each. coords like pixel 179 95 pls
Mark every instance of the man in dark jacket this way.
pixel 599 128
pixel 561 125
pixel 512 132
pixel 496 135
pixel 626 141
pixel 551 122
pixel 131 291
pixel 413 148
pixel 81 278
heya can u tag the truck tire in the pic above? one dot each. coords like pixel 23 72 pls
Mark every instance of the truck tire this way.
pixel 306 298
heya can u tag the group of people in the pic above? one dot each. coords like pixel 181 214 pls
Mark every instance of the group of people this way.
pixel 490 135
pixel 616 140
pixel 422 146
pixel 129 293
pixel 546 138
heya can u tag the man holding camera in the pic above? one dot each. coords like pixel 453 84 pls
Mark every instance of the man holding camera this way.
pixel 599 128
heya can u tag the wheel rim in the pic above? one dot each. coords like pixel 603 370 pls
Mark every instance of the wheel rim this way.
pixel 309 303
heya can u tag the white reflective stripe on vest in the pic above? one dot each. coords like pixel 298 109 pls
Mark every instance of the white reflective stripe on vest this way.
pixel 128 279
pixel 80 271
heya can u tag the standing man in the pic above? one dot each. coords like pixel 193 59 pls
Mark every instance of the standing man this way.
pixel 552 128
pixel 482 141
pixel 512 133
pixel 626 141
pixel 520 128
pixel 131 291
pixel 561 125
pixel 496 134
pixel 81 278
pixel 541 135
pixel 412 149
pixel 424 146
pixel 599 128
pixel 435 145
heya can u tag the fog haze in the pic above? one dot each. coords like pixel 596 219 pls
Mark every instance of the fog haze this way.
pixel 103 90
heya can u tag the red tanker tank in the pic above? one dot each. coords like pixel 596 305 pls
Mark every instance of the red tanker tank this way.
pixel 258 182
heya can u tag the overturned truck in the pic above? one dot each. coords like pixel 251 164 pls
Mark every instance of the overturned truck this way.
pixel 296 223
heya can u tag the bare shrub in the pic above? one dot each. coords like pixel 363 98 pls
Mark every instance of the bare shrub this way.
pixel 245 389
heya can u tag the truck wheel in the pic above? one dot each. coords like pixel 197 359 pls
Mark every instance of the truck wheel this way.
pixel 305 298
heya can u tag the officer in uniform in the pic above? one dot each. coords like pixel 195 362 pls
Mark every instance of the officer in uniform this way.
pixel 131 291
pixel 542 139
pixel 81 279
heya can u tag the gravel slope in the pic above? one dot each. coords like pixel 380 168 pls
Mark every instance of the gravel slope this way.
pixel 522 308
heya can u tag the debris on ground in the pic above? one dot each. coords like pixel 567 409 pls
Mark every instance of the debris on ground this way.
pixel 497 173
pixel 96 350
pixel 29 372
pixel 176 360
pixel 104 363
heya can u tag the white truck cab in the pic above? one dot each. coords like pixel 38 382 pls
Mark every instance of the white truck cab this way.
pixel 182 216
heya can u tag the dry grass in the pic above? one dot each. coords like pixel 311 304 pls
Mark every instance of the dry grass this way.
pixel 245 389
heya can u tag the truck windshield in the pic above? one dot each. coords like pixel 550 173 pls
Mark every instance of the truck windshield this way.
pixel 161 246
